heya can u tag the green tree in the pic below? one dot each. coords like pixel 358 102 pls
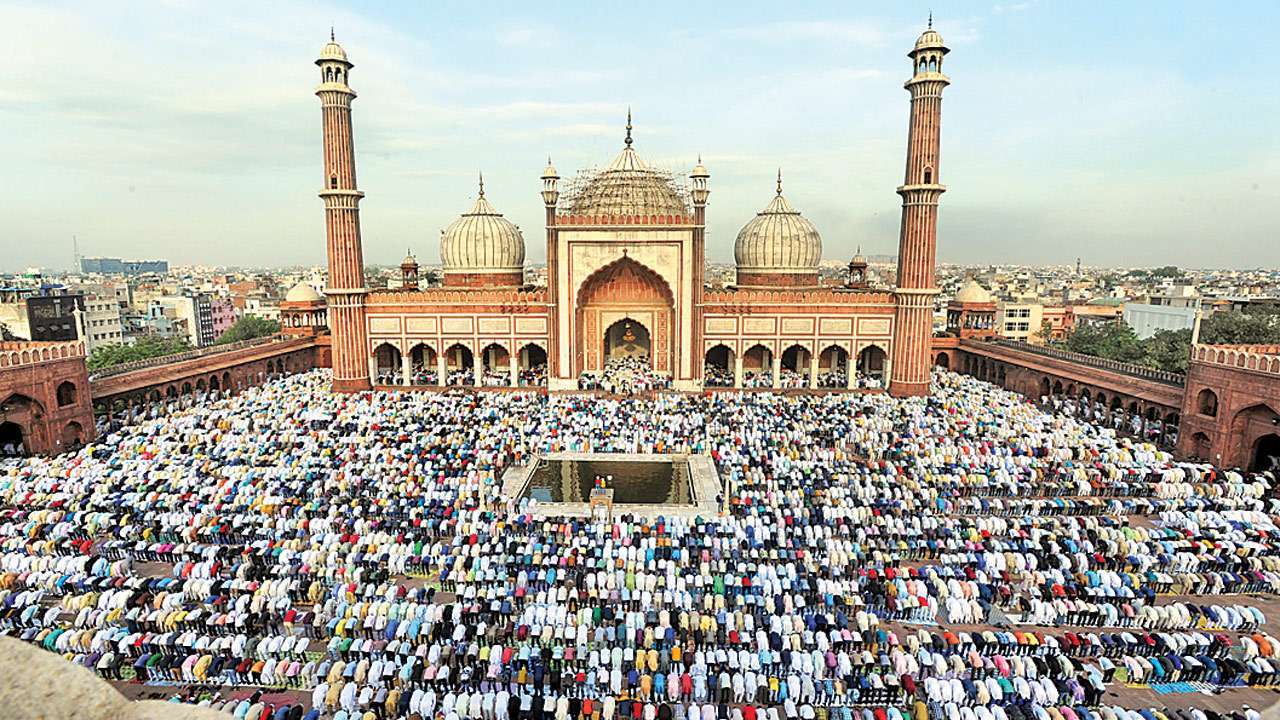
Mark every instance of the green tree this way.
pixel 1240 328
pixel 144 348
pixel 248 328
pixel 1113 341
pixel 1167 350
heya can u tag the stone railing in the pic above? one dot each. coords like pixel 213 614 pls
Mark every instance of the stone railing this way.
pixel 1123 368
pixel 187 355
pixel 22 352
pixel 1259 358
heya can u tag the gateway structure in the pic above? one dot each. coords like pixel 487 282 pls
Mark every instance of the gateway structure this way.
pixel 625 264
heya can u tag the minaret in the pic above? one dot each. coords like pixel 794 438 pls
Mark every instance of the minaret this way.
pixel 551 196
pixel 346 288
pixel 918 240
pixel 699 193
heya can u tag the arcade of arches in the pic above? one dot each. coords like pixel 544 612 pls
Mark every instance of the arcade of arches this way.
pixel 796 367
pixel 423 366
pixel 1134 414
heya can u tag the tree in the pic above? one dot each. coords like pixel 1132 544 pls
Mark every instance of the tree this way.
pixel 145 348
pixel 1240 328
pixel 1167 350
pixel 1113 341
pixel 248 328
pixel 1170 349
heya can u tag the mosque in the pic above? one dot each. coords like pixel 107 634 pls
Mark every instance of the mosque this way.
pixel 625 278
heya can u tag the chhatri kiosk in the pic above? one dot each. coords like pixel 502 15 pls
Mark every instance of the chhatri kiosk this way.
pixel 625 278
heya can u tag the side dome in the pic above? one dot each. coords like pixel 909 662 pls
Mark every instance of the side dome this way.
pixel 778 247
pixel 303 293
pixel 482 248
pixel 627 187
pixel 973 293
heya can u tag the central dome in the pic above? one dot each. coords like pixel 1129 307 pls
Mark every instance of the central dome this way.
pixel 628 187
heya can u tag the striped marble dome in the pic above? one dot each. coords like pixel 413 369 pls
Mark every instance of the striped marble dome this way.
pixel 778 240
pixel 482 241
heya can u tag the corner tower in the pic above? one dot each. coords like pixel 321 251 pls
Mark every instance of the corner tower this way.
pixel 346 290
pixel 918 238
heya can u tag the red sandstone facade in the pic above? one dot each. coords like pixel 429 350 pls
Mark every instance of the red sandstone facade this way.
pixel 45 405
pixel 1231 409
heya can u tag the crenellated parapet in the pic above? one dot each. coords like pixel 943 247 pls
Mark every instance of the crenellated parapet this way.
pixel 19 353
pixel 608 221
pixel 533 298
pixel 805 299
pixel 1259 358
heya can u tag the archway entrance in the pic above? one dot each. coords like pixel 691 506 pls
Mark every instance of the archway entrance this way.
pixel 871 363
pixel 1266 454
pixel 628 339
pixel 387 359
pixel 72 435
pixel 833 367
pixel 533 365
pixel 11 440
pixel 757 367
pixel 495 364
pixel 460 365
pixel 1248 442
pixel 423 365
pixel 621 293
pixel 718 367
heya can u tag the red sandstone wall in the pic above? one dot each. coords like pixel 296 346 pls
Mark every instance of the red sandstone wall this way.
pixel 48 428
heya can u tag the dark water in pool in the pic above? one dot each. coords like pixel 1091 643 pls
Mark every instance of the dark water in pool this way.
pixel 633 481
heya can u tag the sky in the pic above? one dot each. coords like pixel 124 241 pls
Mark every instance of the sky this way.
pixel 1125 134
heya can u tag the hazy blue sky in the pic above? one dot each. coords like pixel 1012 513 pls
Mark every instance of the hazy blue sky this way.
pixel 1125 133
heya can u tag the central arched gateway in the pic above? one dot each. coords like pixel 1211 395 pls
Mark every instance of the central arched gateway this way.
pixel 624 308
pixel 627 338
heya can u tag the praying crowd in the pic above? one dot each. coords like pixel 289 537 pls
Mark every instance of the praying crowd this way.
pixel 291 553
pixel 626 375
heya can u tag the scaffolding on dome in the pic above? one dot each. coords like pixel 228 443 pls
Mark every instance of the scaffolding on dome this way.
pixel 612 191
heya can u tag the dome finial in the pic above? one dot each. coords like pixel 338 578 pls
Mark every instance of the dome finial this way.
pixel 930 19
pixel 628 140
pixel 331 37
pixel 779 181
pixel 481 183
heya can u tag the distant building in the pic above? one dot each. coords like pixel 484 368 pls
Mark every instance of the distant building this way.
pixel 40 314
pixel 1147 319
pixel 1058 321
pixel 223 314
pixel 1019 320
pixel 1173 310
pixel 1098 312
pixel 116 266
pixel 101 323
pixel 195 313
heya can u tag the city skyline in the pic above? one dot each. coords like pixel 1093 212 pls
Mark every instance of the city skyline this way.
pixel 1166 163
